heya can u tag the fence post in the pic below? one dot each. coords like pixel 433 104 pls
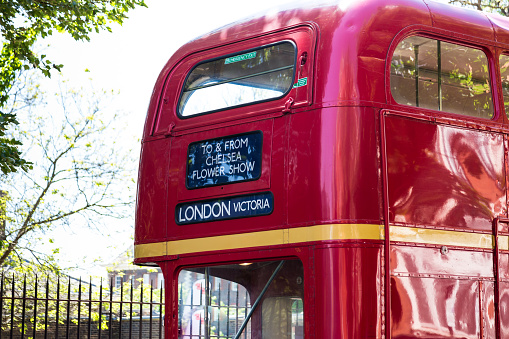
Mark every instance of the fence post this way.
pixel 150 310
pixel 90 308
pixel 100 307
pixel 141 311
pixel 68 309
pixel 161 312
pixel 23 307
pixel 111 308
pixel 57 307
pixel 79 308
pixel 12 308
pixel 131 312
pixel 34 325
pixel 120 311
pixel 46 309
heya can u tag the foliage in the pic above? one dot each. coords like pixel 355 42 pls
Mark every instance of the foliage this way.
pixel 495 6
pixel 22 23
pixel 81 171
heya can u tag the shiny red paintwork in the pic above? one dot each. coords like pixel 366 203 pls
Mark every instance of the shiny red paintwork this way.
pixel 323 162
pixel 445 176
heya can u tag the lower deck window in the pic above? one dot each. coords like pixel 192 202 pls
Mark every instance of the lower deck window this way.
pixel 247 300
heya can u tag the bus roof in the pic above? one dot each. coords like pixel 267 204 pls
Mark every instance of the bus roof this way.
pixel 355 33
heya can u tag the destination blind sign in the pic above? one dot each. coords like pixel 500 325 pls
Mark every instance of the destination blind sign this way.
pixel 225 160
pixel 243 206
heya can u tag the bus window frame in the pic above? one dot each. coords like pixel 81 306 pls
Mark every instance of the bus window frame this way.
pixel 303 35
pixel 179 114
pixel 489 49
pixel 500 52
pixel 189 261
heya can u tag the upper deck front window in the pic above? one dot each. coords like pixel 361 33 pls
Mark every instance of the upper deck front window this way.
pixel 248 77
pixel 443 76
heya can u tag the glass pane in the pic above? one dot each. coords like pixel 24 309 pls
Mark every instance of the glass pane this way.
pixel 283 317
pixel 254 76
pixel 228 292
pixel 442 76
pixel 404 87
pixel 504 73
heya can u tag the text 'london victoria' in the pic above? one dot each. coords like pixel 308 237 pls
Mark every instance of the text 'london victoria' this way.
pixel 225 208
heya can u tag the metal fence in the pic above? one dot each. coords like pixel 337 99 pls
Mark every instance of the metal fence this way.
pixel 67 308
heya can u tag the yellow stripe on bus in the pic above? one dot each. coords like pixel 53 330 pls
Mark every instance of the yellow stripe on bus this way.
pixel 154 249
pixel 319 233
pixel 264 238
pixel 440 237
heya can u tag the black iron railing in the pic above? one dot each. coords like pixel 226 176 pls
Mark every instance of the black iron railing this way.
pixel 56 308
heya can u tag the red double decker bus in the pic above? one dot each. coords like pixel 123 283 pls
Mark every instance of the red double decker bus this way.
pixel 336 170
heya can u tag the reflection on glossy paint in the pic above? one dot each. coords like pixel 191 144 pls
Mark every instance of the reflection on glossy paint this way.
pixel 452 312
pixel 444 176
pixel 345 4
pixel 475 160
pixel 423 276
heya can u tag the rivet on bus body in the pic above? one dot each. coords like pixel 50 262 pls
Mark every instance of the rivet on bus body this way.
pixel 444 250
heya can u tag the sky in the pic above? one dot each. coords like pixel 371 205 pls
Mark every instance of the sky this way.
pixel 129 60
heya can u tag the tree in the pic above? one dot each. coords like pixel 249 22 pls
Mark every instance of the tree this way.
pixel 495 6
pixel 22 24
pixel 81 171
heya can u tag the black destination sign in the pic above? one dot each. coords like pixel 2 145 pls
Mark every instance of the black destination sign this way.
pixel 225 160
pixel 243 206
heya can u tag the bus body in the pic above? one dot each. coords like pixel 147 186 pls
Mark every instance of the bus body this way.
pixel 333 170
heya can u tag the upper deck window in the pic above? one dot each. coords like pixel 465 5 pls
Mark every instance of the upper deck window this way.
pixel 235 80
pixel 442 76
pixel 504 73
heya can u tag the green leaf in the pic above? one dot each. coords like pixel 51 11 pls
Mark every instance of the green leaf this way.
pixel 40 19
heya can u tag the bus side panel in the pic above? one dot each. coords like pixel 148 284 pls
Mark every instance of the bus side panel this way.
pixel 444 176
pixel 434 308
pixel 504 293
pixel 446 295
pixel 171 312
pixel 348 293
pixel 332 166
pixel 430 260
pixel 152 184
pixel 488 309
pixel 504 309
